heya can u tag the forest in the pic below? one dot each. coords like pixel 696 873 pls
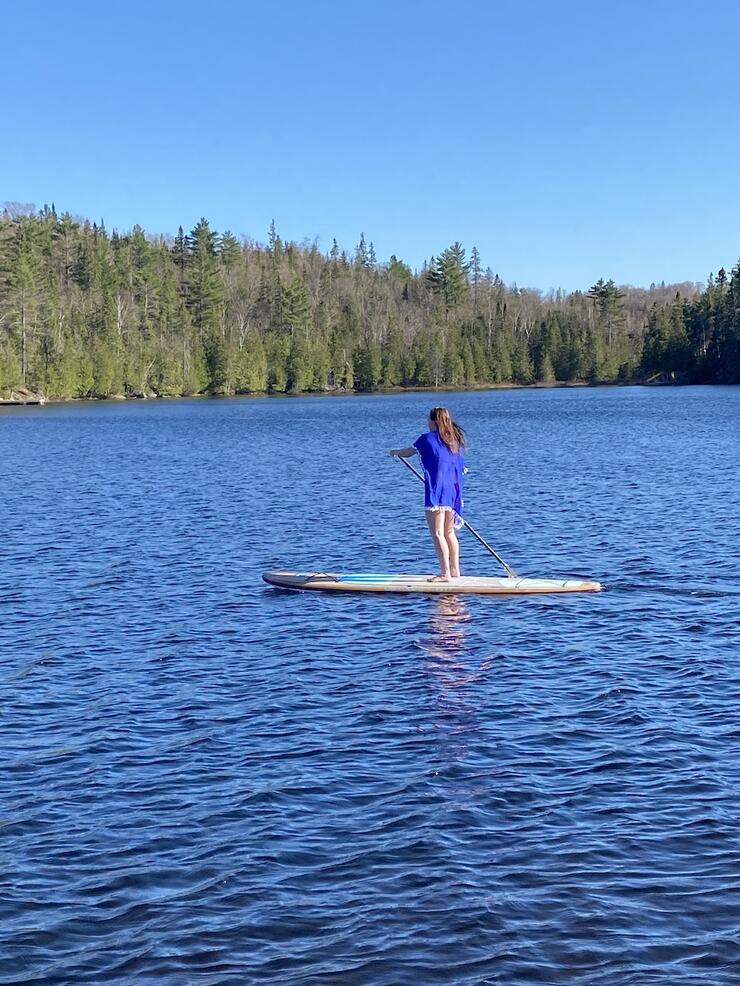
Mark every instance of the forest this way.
pixel 88 313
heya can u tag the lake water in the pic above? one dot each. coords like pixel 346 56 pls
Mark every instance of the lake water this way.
pixel 208 780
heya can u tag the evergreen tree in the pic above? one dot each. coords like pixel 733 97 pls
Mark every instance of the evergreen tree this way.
pixel 475 274
pixel 205 287
pixel 392 358
pixel 251 366
pixel 297 308
pixel 468 364
pixel 205 299
pixel 298 322
pixel 367 365
pixel 522 370
pixel 21 281
pixel 502 367
pixel 320 363
pixel 609 301
pixel 448 275
pixel 361 258
pixel 299 369
pixel 180 254
pixel 545 369
pixel 228 250
pixel 398 270
pixel 276 244
pixel 454 366
pixel 277 348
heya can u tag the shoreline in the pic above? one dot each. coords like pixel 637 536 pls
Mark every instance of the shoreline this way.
pixel 37 400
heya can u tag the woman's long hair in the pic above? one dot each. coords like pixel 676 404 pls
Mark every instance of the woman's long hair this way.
pixel 449 431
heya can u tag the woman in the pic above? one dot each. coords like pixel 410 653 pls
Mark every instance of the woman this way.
pixel 441 450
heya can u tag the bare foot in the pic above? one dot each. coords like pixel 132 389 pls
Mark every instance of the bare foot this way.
pixel 439 578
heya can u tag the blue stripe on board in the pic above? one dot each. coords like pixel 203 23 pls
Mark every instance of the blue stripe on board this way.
pixel 374 578
pixel 370 575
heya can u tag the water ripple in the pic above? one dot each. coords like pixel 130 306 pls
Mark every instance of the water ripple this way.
pixel 208 780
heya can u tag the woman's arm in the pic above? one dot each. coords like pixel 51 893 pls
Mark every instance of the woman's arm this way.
pixel 403 453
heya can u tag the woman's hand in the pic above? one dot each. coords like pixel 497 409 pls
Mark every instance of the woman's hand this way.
pixel 402 453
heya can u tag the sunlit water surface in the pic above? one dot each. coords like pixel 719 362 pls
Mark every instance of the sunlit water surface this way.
pixel 208 780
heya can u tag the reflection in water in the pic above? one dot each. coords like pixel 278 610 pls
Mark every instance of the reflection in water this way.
pixel 445 646
pixel 447 624
pixel 451 668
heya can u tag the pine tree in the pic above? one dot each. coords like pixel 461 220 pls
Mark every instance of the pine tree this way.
pixel 298 321
pixel 361 252
pixel 656 344
pixel 367 363
pixel 522 370
pixel 398 270
pixel 228 250
pixel 297 308
pixel 502 369
pixel 276 244
pixel 21 284
pixel 609 305
pixel 299 369
pixel 475 275
pixel 180 256
pixel 251 366
pixel 545 370
pixel 277 348
pixel 454 366
pixel 392 357
pixel 205 288
pixel 205 300
pixel 448 275
pixel 320 363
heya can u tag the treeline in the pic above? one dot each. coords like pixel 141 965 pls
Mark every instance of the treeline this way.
pixel 89 313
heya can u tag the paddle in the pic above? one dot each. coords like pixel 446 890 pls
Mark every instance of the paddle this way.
pixel 509 570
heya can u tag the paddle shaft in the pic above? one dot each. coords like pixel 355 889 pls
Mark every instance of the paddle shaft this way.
pixel 509 570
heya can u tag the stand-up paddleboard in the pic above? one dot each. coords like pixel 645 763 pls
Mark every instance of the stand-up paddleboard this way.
pixel 371 582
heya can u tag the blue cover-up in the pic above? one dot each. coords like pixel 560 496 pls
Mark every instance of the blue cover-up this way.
pixel 443 474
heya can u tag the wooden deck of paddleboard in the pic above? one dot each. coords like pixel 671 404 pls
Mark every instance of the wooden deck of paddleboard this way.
pixel 377 582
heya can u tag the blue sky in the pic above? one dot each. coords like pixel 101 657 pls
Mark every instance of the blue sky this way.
pixel 567 140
